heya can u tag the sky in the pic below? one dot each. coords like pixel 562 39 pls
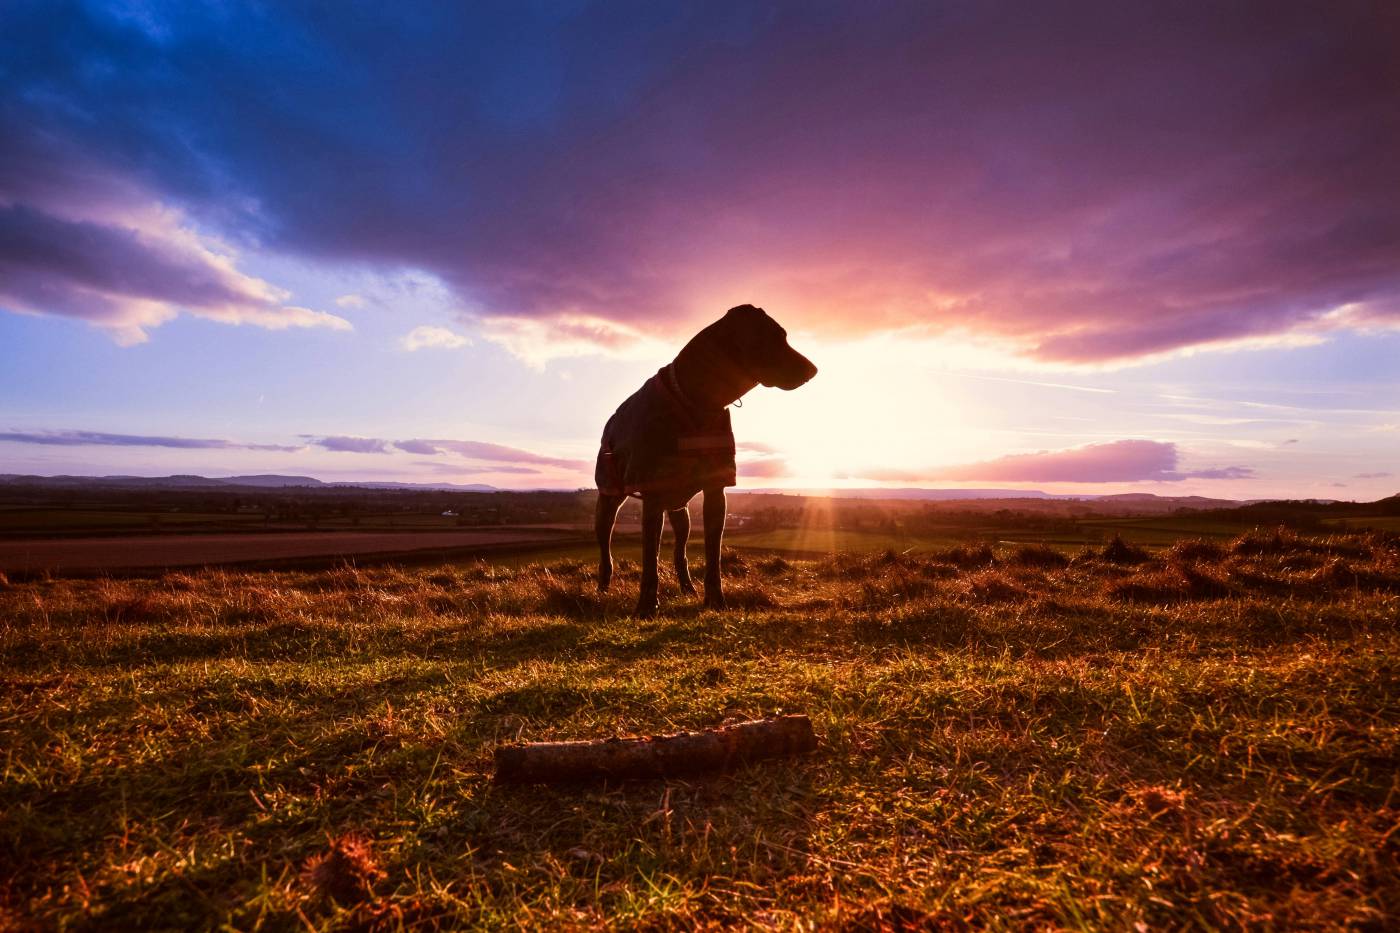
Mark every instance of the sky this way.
pixel 1085 248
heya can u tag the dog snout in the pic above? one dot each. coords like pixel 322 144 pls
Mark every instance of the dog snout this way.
pixel 798 371
pixel 803 369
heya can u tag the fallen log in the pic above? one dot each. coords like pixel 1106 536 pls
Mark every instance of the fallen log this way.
pixel 654 756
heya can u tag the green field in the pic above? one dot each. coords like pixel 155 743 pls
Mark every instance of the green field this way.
pixel 1206 737
pixel 1153 532
pixel 827 541
pixel 39 521
pixel 103 521
pixel 1380 523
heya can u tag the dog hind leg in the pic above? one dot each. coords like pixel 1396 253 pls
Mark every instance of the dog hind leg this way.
pixel 603 521
pixel 680 527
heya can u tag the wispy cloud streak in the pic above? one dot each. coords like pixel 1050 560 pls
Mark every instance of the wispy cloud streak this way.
pixel 495 453
pixel 1123 461
pixel 469 450
pixel 103 439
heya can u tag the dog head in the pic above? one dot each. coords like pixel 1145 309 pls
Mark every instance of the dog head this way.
pixel 759 345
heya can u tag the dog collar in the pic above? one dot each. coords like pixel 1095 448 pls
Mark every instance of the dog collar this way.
pixel 672 387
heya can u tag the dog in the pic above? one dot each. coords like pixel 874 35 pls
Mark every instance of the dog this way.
pixel 672 439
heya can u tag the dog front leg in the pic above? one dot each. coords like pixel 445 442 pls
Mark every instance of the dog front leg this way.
pixel 603 520
pixel 680 527
pixel 714 537
pixel 653 515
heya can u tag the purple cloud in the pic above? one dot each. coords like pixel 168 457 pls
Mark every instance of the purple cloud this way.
pixel 423 448
pixel 1125 461
pixel 764 468
pixel 471 450
pixel 1106 182
pixel 455 469
pixel 482 450
pixel 102 439
pixel 353 445
pixel 132 273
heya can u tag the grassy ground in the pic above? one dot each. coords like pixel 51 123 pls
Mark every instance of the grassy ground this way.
pixel 1147 531
pixel 1206 737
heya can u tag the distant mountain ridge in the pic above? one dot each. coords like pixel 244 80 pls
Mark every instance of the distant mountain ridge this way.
pixel 913 492
pixel 952 495
pixel 1150 501
pixel 259 481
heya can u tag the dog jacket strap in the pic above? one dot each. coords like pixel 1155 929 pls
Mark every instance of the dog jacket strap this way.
pixel 705 442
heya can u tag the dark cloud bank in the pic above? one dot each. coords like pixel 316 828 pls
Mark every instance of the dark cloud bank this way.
pixel 1096 181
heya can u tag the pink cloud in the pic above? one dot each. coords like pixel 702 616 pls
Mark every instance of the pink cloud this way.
pixel 105 439
pixel 1125 461
pixel 483 450
pixel 765 468
pixel 133 271
pixel 470 450
pixel 354 445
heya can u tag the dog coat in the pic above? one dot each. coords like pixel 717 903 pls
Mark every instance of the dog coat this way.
pixel 658 442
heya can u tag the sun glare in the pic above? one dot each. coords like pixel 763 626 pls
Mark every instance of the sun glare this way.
pixel 876 405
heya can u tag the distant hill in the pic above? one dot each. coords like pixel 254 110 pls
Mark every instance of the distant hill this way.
pixel 270 479
pixel 1174 502
pixel 447 487
pixel 912 492
pixel 142 482
pixel 259 481
pixel 1142 500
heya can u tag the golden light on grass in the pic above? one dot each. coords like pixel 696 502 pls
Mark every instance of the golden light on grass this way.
pixel 1199 735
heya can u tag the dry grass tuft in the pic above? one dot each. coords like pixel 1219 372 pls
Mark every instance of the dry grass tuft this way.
pixel 894 917
pixel 979 556
pixel 1196 550
pixel 346 872
pixel 1169 584
pixel 1118 551
pixel 1160 801
pixel 1038 555
pixel 993 586
pixel 774 566
pixel 1258 543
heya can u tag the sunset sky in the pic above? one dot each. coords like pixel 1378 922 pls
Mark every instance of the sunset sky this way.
pixel 1082 248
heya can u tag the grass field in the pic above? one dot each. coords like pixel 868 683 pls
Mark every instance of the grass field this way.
pixel 1208 736
pixel 1151 531
pixel 32 557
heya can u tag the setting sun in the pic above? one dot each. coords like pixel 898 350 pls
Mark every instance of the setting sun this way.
pixel 873 403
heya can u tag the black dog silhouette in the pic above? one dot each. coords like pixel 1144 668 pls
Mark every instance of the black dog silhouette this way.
pixel 672 439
